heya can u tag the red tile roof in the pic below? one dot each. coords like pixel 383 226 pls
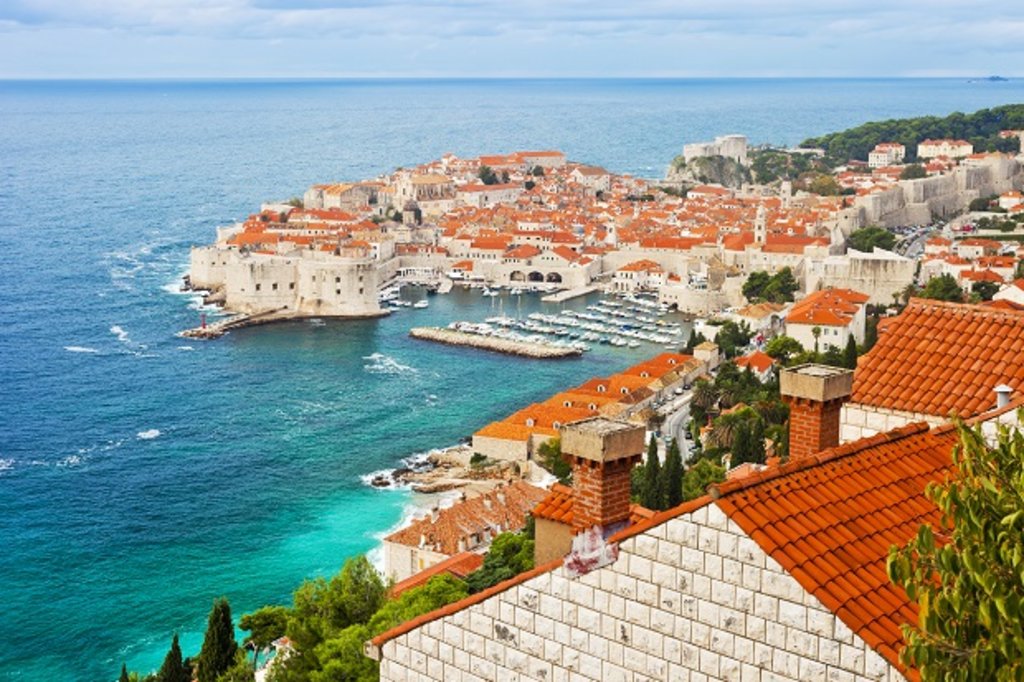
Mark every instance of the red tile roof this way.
pixel 459 566
pixel 557 506
pixel 829 521
pixel 940 357
pixel 484 514
pixel 829 307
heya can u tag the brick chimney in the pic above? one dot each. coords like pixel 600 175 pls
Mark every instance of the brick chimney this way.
pixel 815 394
pixel 602 453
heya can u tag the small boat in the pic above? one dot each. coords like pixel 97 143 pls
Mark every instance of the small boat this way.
pixel 420 304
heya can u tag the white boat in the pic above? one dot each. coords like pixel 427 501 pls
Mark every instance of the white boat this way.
pixel 420 304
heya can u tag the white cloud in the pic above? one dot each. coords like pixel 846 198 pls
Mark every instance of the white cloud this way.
pixel 733 37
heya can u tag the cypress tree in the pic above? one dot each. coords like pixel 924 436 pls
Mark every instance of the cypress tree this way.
pixel 673 476
pixel 219 646
pixel 650 493
pixel 742 446
pixel 124 674
pixel 757 453
pixel 850 354
pixel 173 669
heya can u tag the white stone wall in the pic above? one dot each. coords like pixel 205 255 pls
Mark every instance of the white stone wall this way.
pixel 858 421
pixel 402 561
pixel 691 600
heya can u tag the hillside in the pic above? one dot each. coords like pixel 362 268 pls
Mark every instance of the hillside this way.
pixel 980 129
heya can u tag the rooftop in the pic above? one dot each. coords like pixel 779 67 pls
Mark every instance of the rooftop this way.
pixel 937 357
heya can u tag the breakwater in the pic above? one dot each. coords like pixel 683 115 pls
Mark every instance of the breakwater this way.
pixel 507 346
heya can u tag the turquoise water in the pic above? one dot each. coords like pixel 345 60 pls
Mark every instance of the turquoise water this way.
pixel 141 475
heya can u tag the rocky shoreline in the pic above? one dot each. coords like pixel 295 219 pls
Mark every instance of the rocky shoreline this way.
pixel 447 469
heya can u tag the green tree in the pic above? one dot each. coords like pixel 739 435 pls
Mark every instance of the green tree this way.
pixel 124 674
pixel 219 647
pixel 816 333
pixel 943 288
pixel 777 288
pixel 969 583
pixel 985 290
pixel 850 353
pixel 673 476
pixel 361 588
pixel 783 348
pixel 867 238
pixel 509 555
pixel 439 591
pixel 264 626
pixel 699 477
pixel 550 453
pixel 914 171
pixel 240 671
pixel 732 338
pixel 651 486
pixel 487 175
pixel 173 668
pixel 742 448
pixel 537 172
pixel 696 338
pixel 825 185
pixel 705 399
pixel 343 658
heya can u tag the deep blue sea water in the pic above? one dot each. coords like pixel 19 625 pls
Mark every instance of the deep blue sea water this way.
pixel 141 476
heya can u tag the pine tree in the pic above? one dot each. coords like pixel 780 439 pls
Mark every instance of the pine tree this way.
pixel 650 492
pixel 124 674
pixel 850 354
pixel 673 476
pixel 173 669
pixel 219 646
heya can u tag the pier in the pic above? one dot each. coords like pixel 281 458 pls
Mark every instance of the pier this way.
pixel 560 296
pixel 222 327
pixel 507 346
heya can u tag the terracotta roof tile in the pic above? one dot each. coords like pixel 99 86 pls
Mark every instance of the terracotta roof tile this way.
pixel 932 347
pixel 830 520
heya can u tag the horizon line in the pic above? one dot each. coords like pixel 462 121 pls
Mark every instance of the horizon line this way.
pixel 991 78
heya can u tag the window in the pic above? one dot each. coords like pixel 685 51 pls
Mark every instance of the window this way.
pixel 274 286
pixel 258 287
pixel 291 285
pixel 360 290
pixel 337 280
pixel 338 292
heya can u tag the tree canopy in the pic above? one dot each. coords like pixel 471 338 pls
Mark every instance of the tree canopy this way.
pixel 509 555
pixel 943 288
pixel 867 238
pixel 967 576
pixel 777 288
pixel 980 129
pixel 698 477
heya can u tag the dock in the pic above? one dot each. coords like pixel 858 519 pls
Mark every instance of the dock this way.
pixel 507 346
pixel 221 327
pixel 567 294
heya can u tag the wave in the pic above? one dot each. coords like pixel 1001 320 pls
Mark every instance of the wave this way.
pixel 385 364
pixel 185 348
pixel 71 461
pixel 148 434
pixel 6 465
pixel 80 349
pixel 120 333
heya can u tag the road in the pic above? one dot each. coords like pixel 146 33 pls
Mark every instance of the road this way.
pixel 677 416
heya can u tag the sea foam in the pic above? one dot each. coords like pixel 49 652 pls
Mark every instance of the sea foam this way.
pixel 385 364
pixel 80 349
pixel 148 434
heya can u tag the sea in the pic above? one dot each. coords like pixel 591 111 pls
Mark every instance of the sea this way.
pixel 143 475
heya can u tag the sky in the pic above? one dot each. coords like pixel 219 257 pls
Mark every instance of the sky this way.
pixel 508 38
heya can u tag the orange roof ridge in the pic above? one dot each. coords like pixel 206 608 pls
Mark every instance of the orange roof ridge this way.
pixel 717 490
